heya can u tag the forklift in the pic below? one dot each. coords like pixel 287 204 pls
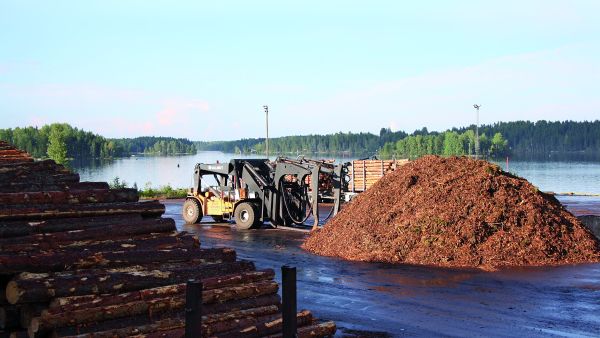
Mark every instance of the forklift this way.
pixel 284 192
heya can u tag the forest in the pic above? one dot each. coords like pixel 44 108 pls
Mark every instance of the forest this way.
pixel 539 139
pixel 352 143
pixel 61 141
pixel 520 138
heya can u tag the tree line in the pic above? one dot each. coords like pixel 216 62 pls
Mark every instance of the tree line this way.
pixel 449 143
pixel 519 138
pixel 352 143
pixel 60 141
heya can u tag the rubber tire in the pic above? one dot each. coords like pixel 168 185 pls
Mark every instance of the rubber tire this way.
pixel 192 213
pixel 245 216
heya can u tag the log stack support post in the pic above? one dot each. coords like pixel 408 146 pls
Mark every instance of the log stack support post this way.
pixel 193 309
pixel 288 302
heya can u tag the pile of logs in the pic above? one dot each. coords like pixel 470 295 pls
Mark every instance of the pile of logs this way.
pixel 364 173
pixel 78 259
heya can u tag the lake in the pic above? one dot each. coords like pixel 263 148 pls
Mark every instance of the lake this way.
pixel 556 176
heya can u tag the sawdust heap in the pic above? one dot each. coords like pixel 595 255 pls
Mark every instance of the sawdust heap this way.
pixel 455 212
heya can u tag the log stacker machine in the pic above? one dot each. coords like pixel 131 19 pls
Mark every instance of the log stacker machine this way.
pixel 284 192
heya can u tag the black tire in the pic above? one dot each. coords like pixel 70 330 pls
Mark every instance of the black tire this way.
pixel 192 213
pixel 246 216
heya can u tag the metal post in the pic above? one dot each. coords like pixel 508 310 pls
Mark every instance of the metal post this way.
pixel 477 106
pixel 288 302
pixel 193 309
pixel 267 118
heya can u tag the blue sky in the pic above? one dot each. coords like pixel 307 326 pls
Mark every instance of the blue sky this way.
pixel 203 70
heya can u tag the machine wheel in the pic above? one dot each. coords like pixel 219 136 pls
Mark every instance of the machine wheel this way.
pixel 192 213
pixel 245 216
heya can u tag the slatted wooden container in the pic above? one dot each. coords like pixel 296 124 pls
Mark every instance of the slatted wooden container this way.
pixel 364 173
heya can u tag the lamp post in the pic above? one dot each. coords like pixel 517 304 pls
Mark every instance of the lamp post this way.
pixel 266 108
pixel 477 106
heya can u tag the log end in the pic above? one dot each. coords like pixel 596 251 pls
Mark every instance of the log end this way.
pixel 13 292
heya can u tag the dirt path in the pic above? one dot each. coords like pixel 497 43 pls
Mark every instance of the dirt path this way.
pixel 386 300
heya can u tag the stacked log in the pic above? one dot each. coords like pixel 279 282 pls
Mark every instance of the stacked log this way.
pixel 78 259
pixel 364 173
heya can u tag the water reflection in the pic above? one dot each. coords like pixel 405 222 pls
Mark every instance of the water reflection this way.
pixel 554 175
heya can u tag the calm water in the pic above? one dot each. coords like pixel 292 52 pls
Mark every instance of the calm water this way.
pixel 557 176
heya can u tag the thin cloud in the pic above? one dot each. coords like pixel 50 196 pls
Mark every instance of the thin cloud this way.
pixel 552 84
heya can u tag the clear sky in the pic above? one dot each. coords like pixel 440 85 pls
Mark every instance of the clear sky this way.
pixel 204 69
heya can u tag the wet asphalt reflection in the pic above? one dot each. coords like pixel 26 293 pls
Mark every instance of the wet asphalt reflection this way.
pixel 383 300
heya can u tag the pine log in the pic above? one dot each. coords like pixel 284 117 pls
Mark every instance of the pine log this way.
pixel 44 211
pixel 158 241
pixel 14 152
pixel 66 304
pixel 71 260
pixel 37 166
pixel 31 187
pixel 160 325
pixel 325 329
pixel 9 317
pixel 14 159
pixel 245 327
pixel 97 232
pixel 24 228
pixel 42 287
pixel 19 334
pixel 69 197
pixel 163 304
pixel 269 327
pixel 29 311
pixel 45 178
pixel 210 323
pixel 146 319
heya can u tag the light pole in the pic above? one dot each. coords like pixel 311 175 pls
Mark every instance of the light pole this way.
pixel 266 108
pixel 477 106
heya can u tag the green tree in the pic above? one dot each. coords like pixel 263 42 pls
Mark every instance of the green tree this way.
pixel 499 145
pixel 57 147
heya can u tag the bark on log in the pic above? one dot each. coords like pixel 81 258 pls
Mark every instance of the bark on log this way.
pixel 9 317
pixel 211 323
pixel 69 197
pixel 37 166
pixel 64 261
pixel 24 228
pixel 144 227
pixel 149 208
pixel 159 241
pixel 271 326
pixel 41 178
pixel 19 334
pixel 29 311
pixel 325 329
pixel 32 187
pixel 145 319
pixel 42 287
pixel 258 327
pixel 170 303
pixel 66 304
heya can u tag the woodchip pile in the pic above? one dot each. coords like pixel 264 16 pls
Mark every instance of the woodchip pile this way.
pixel 455 212
pixel 78 259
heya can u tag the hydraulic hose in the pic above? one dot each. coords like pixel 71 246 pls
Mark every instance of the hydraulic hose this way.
pixel 287 208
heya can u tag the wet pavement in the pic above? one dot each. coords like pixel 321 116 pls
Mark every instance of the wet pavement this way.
pixel 383 300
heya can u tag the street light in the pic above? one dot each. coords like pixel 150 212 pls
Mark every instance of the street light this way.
pixel 266 108
pixel 477 106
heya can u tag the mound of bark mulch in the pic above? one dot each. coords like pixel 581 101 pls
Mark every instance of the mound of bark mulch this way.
pixel 457 212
